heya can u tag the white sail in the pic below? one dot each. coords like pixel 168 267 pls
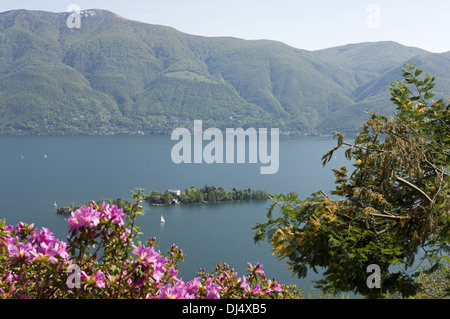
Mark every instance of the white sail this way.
pixel 162 219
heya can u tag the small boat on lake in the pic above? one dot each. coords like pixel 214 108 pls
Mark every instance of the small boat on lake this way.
pixel 162 219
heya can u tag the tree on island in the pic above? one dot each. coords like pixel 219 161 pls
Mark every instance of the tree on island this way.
pixel 393 207
pixel 209 194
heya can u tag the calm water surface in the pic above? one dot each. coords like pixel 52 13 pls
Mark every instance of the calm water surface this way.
pixel 36 172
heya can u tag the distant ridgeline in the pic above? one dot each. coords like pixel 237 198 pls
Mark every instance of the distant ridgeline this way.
pixel 115 76
pixel 207 194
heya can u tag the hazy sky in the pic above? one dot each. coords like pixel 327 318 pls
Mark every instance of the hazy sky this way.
pixel 307 25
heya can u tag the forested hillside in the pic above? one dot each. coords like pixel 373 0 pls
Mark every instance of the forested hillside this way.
pixel 114 75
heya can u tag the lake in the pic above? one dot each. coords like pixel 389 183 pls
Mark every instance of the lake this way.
pixel 36 172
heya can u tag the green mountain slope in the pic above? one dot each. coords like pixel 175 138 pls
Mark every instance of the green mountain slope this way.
pixel 374 95
pixel 114 75
pixel 368 60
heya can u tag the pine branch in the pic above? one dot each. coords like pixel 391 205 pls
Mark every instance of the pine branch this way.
pixel 405 182
pixel 388 216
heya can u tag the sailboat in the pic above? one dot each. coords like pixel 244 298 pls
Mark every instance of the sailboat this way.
pixel 162 219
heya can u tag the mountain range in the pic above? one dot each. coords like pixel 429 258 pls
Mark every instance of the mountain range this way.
pixel 113 75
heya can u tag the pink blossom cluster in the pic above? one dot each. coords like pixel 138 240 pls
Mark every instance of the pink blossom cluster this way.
pixel 33 264
pixel 210 287
pixel 39 245
pixel 90 216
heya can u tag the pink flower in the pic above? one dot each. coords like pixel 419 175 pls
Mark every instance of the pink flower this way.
pixel 11 277
pixel 159 270
pixel 9 229
pixel 116 215
pixel 52 249
pixel 177 291
pixel 124 234
pixel 257 269
pixel 83 217
pixel 256 289
pixel 62 249
pixel 42 236
pixel 194 285
pixel 173 272
pixel 83 275
pixel 48 250
pixel 21 250
pixel 212 290
pixel 139 282
pixel 74 223
pixel 147 254
pixel 100 279
pixel 275 286
pixel 45 244
pixel 244 284
pixel 22 226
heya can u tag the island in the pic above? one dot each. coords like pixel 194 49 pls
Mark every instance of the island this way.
pixel 205 195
